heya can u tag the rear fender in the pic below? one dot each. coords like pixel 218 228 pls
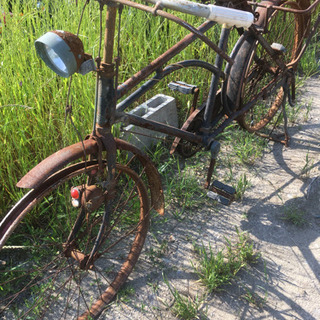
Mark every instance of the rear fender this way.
pixel 63 157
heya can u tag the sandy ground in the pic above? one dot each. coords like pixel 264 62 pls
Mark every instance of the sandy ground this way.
pixel 285 281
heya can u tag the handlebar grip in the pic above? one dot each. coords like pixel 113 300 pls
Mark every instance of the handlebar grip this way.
pixel 222 15
pixel 230 17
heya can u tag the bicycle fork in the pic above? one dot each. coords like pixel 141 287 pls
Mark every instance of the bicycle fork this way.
pixel 105 107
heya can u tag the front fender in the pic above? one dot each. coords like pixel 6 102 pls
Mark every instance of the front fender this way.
pixel 63 157
pixel 57 161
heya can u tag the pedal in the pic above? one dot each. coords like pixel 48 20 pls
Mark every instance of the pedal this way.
pixel 219 198
pixel 226 193
pixel 182 87
pixel 278 47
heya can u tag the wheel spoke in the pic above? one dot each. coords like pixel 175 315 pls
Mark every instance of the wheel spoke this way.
pixel 62 283
pixel 258 76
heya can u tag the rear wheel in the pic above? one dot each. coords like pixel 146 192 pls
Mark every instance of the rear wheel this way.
pixel 48 269
pixel 256 78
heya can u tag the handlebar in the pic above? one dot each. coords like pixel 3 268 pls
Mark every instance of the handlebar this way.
pixel 222 15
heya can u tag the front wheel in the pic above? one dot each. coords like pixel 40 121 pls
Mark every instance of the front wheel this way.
pixel 48 269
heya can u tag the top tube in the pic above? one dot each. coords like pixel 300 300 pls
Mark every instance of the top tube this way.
pixel 222 15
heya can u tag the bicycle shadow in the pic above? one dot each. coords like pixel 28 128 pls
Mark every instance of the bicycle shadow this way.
pixel 184 279
pixel 265 223
pixel 209 224
pixel 269 221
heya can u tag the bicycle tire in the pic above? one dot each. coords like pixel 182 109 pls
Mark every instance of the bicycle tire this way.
pixel 58 284
pixel 254 71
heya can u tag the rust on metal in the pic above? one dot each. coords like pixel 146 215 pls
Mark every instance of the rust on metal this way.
pixel 166 56
pixel 179 21
pixel 106 70
pixel 186 126
pixel 263 14
pixel 70 250
pixel 75 44
pixel 195 100
pixel 161 60
pixel 110 146
pixel 302 51
pixel 109 35
pixel 228 120
pixel 61 158
pixel 141 232
pixel 268 48
pixel 92 197
pixel 57 161
pixel 17 213
pixel 305 6
pixel 209 173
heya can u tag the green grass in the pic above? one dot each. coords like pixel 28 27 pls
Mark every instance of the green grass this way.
pixel 183 190
pixel 218 269
pixel 185 306
pixel 295 216
pixel 32 110
pixel 157 251
pixel 254 298
pixel 243 147
pixel 126 294
pixel 305 171
pixel 241 186
pixel 182 187
pixel 33 98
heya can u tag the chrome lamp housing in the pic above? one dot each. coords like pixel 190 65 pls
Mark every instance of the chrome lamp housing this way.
pixel 63 53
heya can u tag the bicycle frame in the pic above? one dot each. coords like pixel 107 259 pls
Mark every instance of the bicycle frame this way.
pixel 99 150
pixel 106 109
pixel 108 112
pixel 211 114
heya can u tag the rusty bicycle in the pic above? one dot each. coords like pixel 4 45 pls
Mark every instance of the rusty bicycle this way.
pixel 102 189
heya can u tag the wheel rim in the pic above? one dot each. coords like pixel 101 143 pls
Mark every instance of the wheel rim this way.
pixel 54 285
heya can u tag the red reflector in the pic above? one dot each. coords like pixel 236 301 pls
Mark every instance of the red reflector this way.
pixel 75 193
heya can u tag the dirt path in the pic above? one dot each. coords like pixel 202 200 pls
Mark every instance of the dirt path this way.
pixel 284 284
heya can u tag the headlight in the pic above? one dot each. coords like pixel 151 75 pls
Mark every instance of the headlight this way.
pixel 61 51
